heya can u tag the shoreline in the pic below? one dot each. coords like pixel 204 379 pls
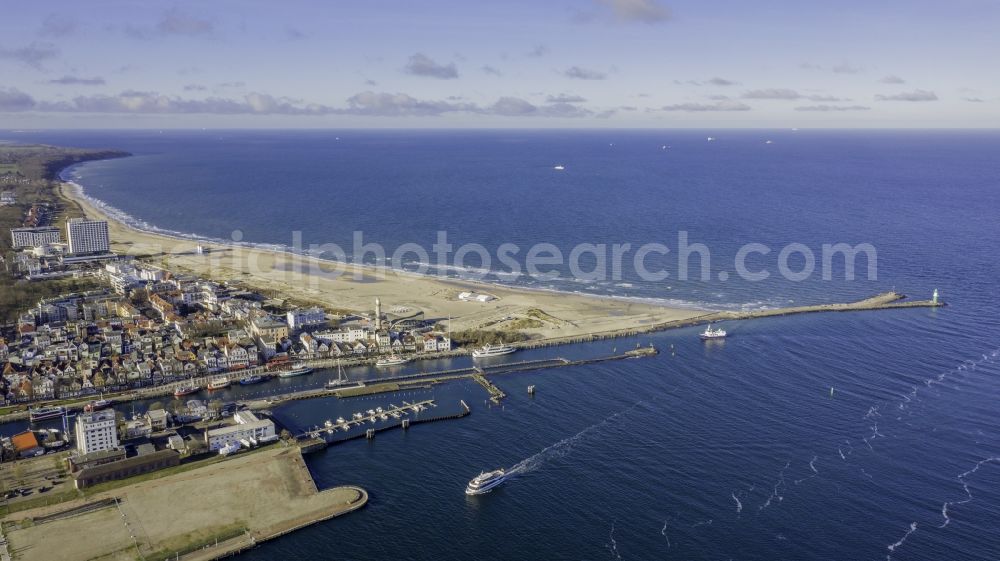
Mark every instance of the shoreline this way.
pixel 306 278
pixel 78 194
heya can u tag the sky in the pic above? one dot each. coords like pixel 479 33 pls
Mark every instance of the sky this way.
pixel 515 63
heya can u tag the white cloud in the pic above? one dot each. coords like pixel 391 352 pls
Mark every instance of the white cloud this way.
pixel 578 73
pixel 724 105
pixel 422 65
pixel 915 95
pixel 828 108
pixel 641 11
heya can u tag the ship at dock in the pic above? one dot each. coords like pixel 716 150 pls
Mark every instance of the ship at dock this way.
pixel 252 379
pixel 186 390
pixel 297 369
pixel 391 360
pixel 219 383
pixel 97 405
pixel 43 413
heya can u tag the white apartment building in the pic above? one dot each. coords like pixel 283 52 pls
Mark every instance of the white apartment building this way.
pixel 305 317
pixel 96 431
pixel 351 334
pixel 249 427
pixel 34 237
pixel 87 236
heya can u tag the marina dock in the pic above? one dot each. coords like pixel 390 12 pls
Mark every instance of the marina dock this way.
pixel 403 416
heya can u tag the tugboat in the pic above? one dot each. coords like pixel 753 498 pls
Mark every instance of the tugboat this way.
pixel 98 405
pixel 186 390
pixel 298 369
pixel 493 350
pixel 710 333
pixel 485 482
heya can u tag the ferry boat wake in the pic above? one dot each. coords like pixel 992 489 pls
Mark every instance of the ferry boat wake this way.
pixel 487 481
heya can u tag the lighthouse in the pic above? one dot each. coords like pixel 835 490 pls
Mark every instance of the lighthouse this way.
pixel 378 312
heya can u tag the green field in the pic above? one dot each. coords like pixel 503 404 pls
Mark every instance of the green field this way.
pixel 8 168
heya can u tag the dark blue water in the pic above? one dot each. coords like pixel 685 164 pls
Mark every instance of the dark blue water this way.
pixel 734 450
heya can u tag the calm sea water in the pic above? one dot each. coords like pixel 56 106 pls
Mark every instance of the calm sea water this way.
pixel 734 450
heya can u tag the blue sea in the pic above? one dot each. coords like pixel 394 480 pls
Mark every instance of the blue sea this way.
pixel 830 437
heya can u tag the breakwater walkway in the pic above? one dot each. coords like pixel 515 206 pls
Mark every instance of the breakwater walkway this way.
pixel 885 301
pixel 408 381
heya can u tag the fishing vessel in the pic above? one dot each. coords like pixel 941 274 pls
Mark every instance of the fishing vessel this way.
pixel 186 390
pixel 710 333
pixel 219 383
pixel 391 360
pixel 43 413
pixel 485 482
pixel 97 405
pixel 493 350
pixel 298 369
pixel 252 379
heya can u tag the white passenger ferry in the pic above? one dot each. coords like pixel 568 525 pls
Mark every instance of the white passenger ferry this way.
pixel 485 482
pixel 493 350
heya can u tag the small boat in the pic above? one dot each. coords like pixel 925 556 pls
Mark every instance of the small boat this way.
pixel 493 350
pixel 384 417
pixel 219 383
pixel 357 416
pixel 298 369
pixel 559 167
pixel 43 413
pixel 252 379
pixel 391 360
pixel 186 390
pixel 485 482
pixel 371 412
pixel 379 410
pixel 98 405
pixel 710 333
pixel 341 420
pixel 339 381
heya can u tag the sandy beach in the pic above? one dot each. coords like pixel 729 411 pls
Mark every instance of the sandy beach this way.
pixel 309 281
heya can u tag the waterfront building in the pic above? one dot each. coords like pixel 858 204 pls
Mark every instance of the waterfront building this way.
pixel 253 430
pixel 87 236
pixel 305 317
pixel 96 431
pixel 34 237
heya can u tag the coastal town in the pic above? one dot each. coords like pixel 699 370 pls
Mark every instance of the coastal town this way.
pixel 105 321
